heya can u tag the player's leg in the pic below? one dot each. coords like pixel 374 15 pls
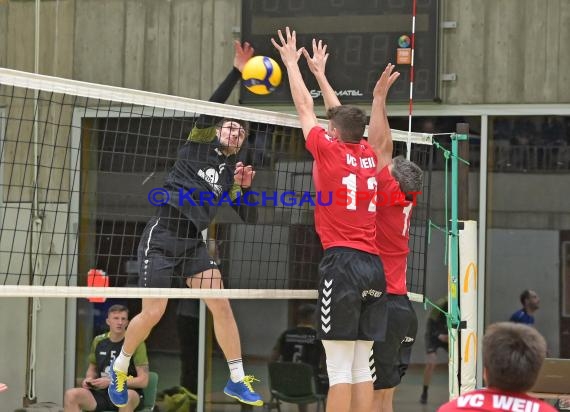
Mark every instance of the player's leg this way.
pixel 340 355
pixel 156 269
pixel 133 402
pixel 225 326
pixel 362 390
pixel 387 399
pixel 207 275
pixel 339 308
pixel 431 359
pixel 78 399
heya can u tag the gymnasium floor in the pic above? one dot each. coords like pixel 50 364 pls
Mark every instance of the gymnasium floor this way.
pixel 406 399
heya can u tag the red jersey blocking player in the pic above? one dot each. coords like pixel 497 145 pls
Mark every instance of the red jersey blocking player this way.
pixel 351 277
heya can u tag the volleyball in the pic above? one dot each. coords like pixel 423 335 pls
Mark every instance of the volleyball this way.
pixel 261 75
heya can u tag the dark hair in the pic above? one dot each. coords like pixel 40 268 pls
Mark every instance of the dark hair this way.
pixel 350 121
pixel 408 175
pixel 117 308
pixel 243 123
pixel 512 356
pixel 524 296
pixel 306 312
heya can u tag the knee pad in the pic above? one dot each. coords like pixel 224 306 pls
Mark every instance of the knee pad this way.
pixel 340 354
pixel 361 364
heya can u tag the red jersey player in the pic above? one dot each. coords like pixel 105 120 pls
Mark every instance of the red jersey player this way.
pixel 512 356
pixel 352 283
pixel 399 181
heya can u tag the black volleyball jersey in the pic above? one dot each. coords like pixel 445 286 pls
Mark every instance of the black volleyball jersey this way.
pixel 300 344
pixel 201 175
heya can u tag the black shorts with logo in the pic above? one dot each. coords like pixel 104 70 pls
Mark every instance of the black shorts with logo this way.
pixel 351 296
pixel 390 358
pixel 171 250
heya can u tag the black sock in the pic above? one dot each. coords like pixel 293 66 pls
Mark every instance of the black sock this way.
pixel 425 389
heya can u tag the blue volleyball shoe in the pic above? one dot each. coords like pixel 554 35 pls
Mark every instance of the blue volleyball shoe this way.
pixel 243 391
pixel 117 390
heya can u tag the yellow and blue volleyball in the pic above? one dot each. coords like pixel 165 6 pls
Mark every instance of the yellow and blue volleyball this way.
pixel 261 75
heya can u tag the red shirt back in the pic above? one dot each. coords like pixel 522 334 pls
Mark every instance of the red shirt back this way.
pixel 393 216
pixel 345 181
pixel 494 400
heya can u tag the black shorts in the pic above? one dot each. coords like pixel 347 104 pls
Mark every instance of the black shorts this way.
pixel 171 250
pixel 351 296
pixel 391 357
pixel 433 343
pixel 104 402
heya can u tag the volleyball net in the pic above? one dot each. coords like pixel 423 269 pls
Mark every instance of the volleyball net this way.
pixel 82 166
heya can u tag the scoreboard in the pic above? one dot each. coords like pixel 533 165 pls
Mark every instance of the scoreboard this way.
pixel 362 36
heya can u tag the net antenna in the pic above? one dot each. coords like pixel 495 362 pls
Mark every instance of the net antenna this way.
pixel 411 106
pixel 102 149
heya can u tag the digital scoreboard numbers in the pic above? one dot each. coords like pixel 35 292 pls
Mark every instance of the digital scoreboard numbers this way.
pixel 362 37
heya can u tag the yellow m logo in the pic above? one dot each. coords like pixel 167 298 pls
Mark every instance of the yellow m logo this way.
pixel 472 267
pixel 470 336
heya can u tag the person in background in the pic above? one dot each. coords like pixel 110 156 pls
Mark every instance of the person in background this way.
pixel 93 396
pixel 530 303
pixel 436 337
pixel 300 344
pixel 512 357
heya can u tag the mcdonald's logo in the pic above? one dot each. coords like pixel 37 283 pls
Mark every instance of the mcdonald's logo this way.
pixel 470 267
pixel 470 336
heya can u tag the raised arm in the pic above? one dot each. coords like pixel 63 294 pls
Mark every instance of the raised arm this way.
pixel 301 96
pixel 242 53
pixel 379 133
pixel 317 65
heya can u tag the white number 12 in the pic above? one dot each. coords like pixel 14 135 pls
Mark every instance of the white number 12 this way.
pixel 350 183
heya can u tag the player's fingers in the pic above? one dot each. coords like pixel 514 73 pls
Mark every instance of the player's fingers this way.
pixel 307 55
pixel 280 34
pixel 275 44
pixel 288 33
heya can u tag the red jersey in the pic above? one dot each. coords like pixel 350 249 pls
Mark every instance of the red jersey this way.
pixel 495 400
pixel 345 181
pixel 393 216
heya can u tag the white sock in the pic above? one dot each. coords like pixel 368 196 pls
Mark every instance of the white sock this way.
pixel 122 362
pixel 236 370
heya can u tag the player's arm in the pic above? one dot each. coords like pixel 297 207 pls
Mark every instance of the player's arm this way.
pixel 379 133
pixel 301 96
pixel 317 65
pixel 204 129
pixel 243 179
pixel 90 375
pixel 141 380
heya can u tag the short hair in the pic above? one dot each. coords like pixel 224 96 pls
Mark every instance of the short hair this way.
pixel 243 123
pixel 408 175
pixel 350 121
pixel 512 355
pixel 117 308
pixel 524 296
pixel 306 312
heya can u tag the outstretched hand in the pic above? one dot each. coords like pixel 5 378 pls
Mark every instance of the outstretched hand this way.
pixel 244 175
pixel 318 62
pixel 288 47
pixel 242 54
pixel 3 387
pixel 386 80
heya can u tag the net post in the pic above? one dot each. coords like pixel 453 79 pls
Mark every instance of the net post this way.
pixel 453 294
